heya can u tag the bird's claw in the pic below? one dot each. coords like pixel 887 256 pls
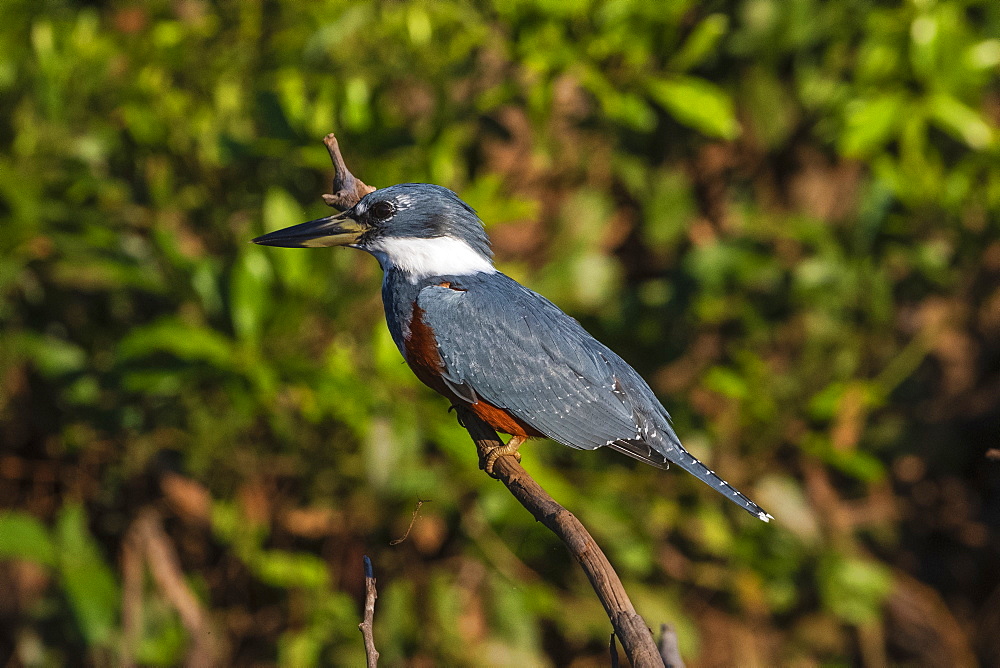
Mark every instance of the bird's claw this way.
pixel 508 450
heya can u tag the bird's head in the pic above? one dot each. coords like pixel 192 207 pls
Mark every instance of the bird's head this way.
pixel 417 228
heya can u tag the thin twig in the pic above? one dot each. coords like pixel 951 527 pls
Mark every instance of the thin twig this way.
pixel 613 649
pixel 629 626
pixel 371 594
pixel 413 518
pixel 669 651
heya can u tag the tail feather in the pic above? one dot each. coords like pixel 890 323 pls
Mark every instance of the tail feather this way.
pixel 676 453
pixel 692 465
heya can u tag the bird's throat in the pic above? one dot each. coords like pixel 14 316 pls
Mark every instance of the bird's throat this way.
pixel 418 258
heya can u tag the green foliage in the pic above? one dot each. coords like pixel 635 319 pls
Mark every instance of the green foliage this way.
pixel 24 537
pixel 786 215
pixel 88 582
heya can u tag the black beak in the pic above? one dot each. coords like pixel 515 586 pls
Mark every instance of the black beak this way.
pixel 339 230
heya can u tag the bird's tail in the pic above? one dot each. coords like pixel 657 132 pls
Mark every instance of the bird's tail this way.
pixel 668 450
pixel 692 465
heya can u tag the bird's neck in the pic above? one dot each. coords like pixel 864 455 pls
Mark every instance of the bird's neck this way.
pixel 418 258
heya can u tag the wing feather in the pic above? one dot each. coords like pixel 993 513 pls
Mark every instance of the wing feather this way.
pixel 519 352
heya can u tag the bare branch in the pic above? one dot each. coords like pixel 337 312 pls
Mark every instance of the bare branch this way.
pixel 669 651
pixel 630 628
pixel 366 626
pixel 347 189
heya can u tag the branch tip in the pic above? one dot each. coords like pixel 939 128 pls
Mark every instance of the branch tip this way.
pixel 347 189
pixel 366 626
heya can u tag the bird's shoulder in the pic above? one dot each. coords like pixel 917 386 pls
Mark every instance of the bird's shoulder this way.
pixel 491 293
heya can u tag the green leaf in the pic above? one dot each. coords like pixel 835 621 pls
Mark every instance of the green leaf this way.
pixel 187 342
pixel 50 355
pixel 697 104
pixel 727 382
pixel 250 295
pixel 702 41
pixel 870 123
pixel 24 537
pixel 291 569
pixel 853 589
pixel 961 121
pixel 89 583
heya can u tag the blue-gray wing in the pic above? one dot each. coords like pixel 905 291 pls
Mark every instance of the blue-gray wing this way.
pixel 513 348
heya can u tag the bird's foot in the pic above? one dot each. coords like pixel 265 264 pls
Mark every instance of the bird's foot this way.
pixel 508 450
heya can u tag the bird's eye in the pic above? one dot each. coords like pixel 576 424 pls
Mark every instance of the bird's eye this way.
pixel 381 210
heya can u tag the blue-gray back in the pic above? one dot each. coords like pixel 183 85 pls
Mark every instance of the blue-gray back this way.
pixel 520 352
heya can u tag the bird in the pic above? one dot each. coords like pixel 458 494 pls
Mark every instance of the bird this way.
pixel 491 345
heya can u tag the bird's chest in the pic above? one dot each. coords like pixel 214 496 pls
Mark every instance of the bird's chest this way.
pixel 414 335
pixel 420 350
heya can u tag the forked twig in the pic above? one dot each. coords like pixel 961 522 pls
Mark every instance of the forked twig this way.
pixel 347 189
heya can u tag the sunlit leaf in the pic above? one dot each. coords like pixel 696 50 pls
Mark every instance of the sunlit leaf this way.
pixel 697 103
pixel 961 121
pixel 870 123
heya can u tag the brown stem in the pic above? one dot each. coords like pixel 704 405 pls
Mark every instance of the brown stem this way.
pixel 630 628
pixel 371 654
pixel 347 189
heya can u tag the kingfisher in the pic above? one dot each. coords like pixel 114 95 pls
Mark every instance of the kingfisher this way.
pixel 491 345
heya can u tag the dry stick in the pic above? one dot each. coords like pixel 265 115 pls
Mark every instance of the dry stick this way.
pixel 347 188
pixel 630 628
pixel 366 626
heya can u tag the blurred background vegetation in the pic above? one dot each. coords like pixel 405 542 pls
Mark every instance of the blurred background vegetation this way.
pixel 784 213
